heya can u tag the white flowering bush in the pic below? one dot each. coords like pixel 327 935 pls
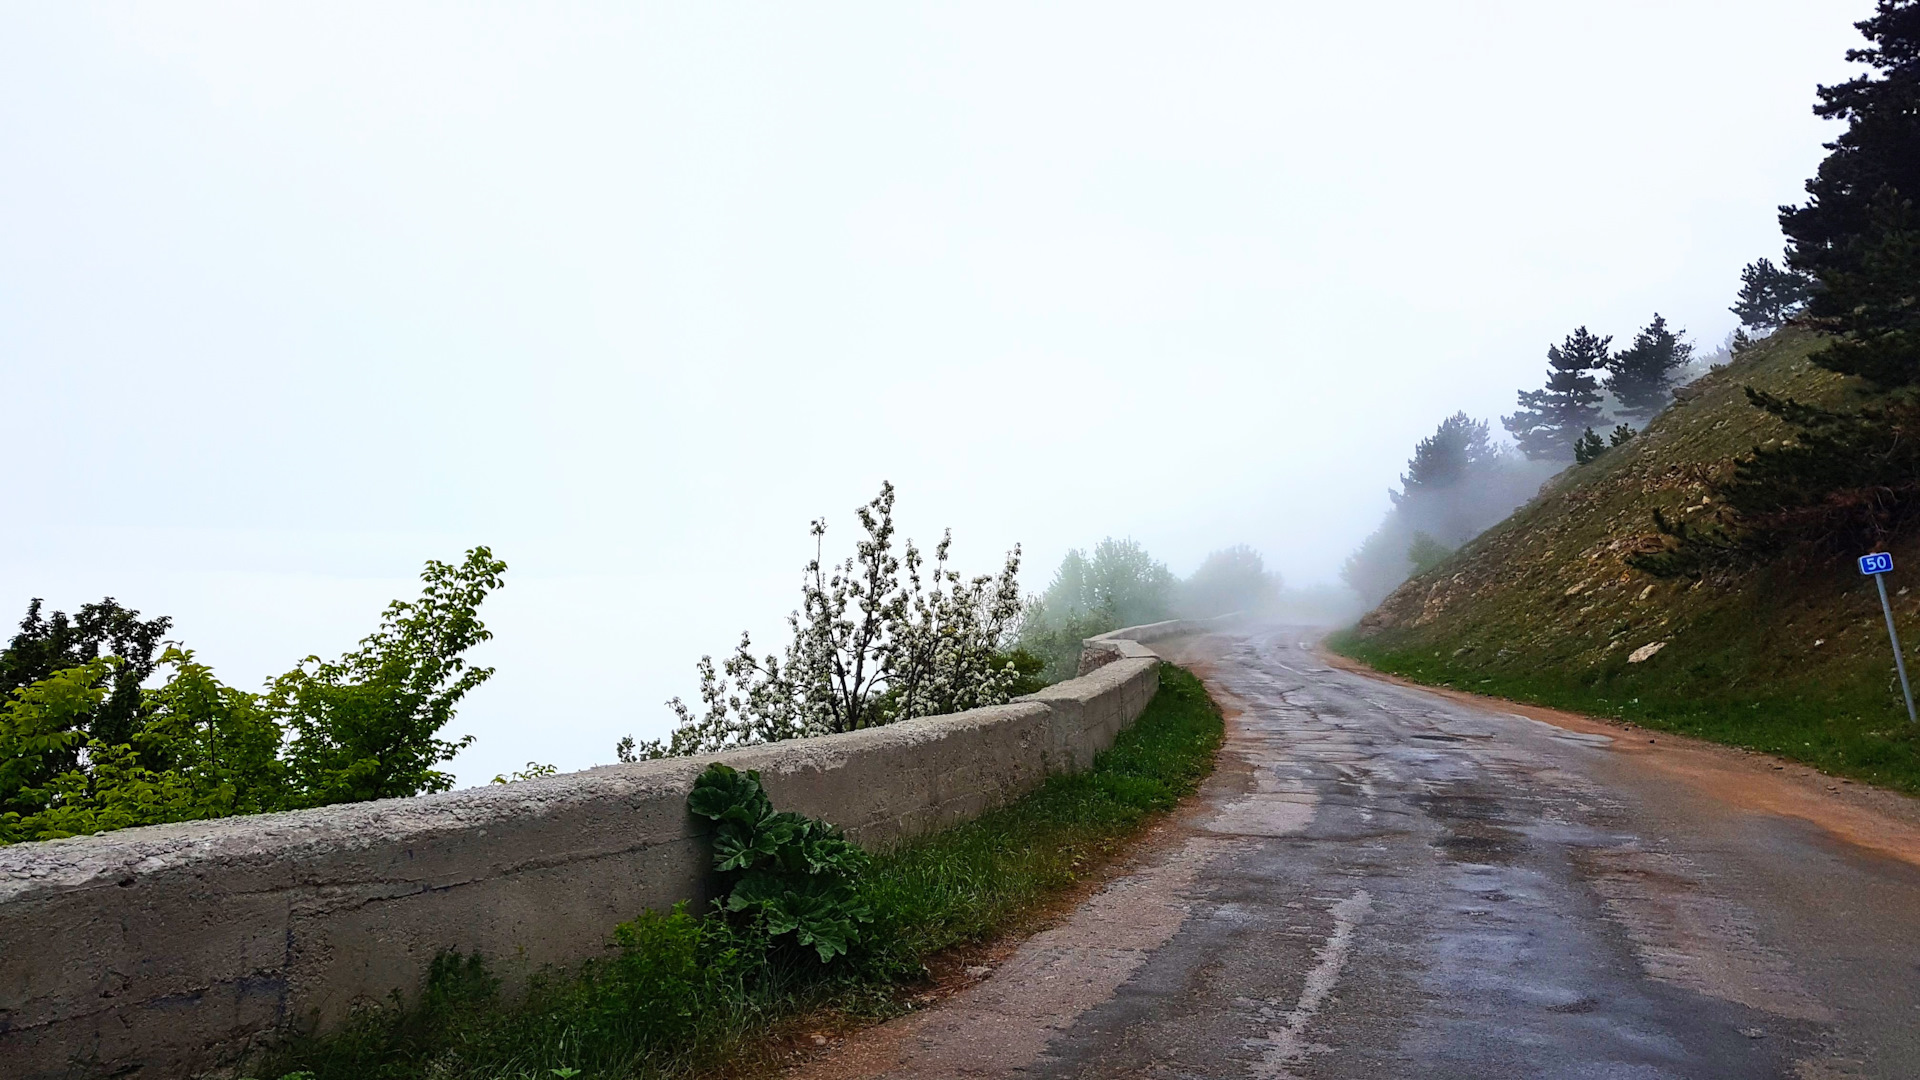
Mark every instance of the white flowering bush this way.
pixel 871 645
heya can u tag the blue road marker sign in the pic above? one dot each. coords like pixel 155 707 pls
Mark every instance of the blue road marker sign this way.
pixel 1877 566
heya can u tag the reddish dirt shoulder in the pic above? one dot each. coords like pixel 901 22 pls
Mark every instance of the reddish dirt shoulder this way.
pixel 1882 821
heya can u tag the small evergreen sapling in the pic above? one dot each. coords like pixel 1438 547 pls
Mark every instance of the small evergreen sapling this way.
pixel 1588 447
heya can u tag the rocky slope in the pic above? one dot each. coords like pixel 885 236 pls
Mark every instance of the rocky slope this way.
pixel 1792 658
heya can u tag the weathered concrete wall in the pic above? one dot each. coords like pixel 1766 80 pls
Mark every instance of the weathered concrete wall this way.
pixel 163 951
pixel 1130 643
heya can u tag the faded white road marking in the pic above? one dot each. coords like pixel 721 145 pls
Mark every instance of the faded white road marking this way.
pixel 1287 1046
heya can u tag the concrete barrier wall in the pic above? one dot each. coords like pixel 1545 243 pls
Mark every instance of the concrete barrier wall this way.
pixel 1131 642
pixel 169 950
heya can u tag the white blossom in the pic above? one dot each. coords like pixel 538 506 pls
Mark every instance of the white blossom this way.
pixel 868 648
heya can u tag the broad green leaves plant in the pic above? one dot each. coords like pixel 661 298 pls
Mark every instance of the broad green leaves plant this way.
pixel 793 874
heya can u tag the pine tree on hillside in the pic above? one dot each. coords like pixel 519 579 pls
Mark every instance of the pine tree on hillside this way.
pixel 1879 149
pixel 1770 295
pixel 1849 476
pixel 1876 300
pixel 1641 376
pixel 1550 420
pixel 1443 459
pixel 1588 447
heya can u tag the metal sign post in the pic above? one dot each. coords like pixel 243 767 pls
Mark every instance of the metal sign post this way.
pixel 1877 566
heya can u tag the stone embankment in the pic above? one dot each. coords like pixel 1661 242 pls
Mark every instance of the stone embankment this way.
pixel 173 949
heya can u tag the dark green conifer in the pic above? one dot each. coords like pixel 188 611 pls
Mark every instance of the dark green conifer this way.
pixel 1549 420
pixel 1770 295
pixel 1587 447
pixel 1879 149
pixel 1849 477
pixel 1641 376
pixel 1443 459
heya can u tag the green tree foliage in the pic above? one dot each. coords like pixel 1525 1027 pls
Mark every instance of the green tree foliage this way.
pixel 1770 295
pixel 1232 579
pixel 1882 112
pixel 1120 580
pixel 1445 459
pixel 1641 376
pixel 1620 435
pixel 47 644
pixel 1551 419
pixel 195 748
pixel 1872 301
pixel 366 726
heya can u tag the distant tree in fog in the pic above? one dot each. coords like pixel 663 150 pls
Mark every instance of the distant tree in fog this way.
pixel 1444 459
pixel 1642 376
pixel 1231 579
pixel 1425 552
pixel 1458 482
pixel 1120 580
pixel 1549 420
pixel 1118 585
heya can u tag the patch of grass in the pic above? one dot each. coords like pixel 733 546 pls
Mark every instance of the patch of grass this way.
pixel 1846 727
pixel 682 993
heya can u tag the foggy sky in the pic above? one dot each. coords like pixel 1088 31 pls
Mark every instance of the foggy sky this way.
pixel 293 301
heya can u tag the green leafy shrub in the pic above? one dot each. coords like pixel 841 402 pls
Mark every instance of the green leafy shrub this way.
pixel 84 748
pixel 793 874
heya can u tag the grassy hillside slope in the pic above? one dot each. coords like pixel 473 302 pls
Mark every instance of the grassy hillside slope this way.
pixel 1791 659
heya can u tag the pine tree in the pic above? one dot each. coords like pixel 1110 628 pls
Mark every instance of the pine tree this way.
pixel 1587 447
pixel 1620 435
pixel 1641 376
pixel 1876 151
pixel 1443 459
pixel 1849 476
pixel 1873 300
pixel 1770 295
pixel 1550 420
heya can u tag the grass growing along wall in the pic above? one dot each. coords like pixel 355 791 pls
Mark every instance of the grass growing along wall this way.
pixel 679 993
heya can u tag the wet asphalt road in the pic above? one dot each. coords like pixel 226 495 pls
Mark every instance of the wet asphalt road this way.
pixel 1382 882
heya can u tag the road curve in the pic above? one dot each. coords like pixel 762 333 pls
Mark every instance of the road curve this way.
pixel 1383 881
